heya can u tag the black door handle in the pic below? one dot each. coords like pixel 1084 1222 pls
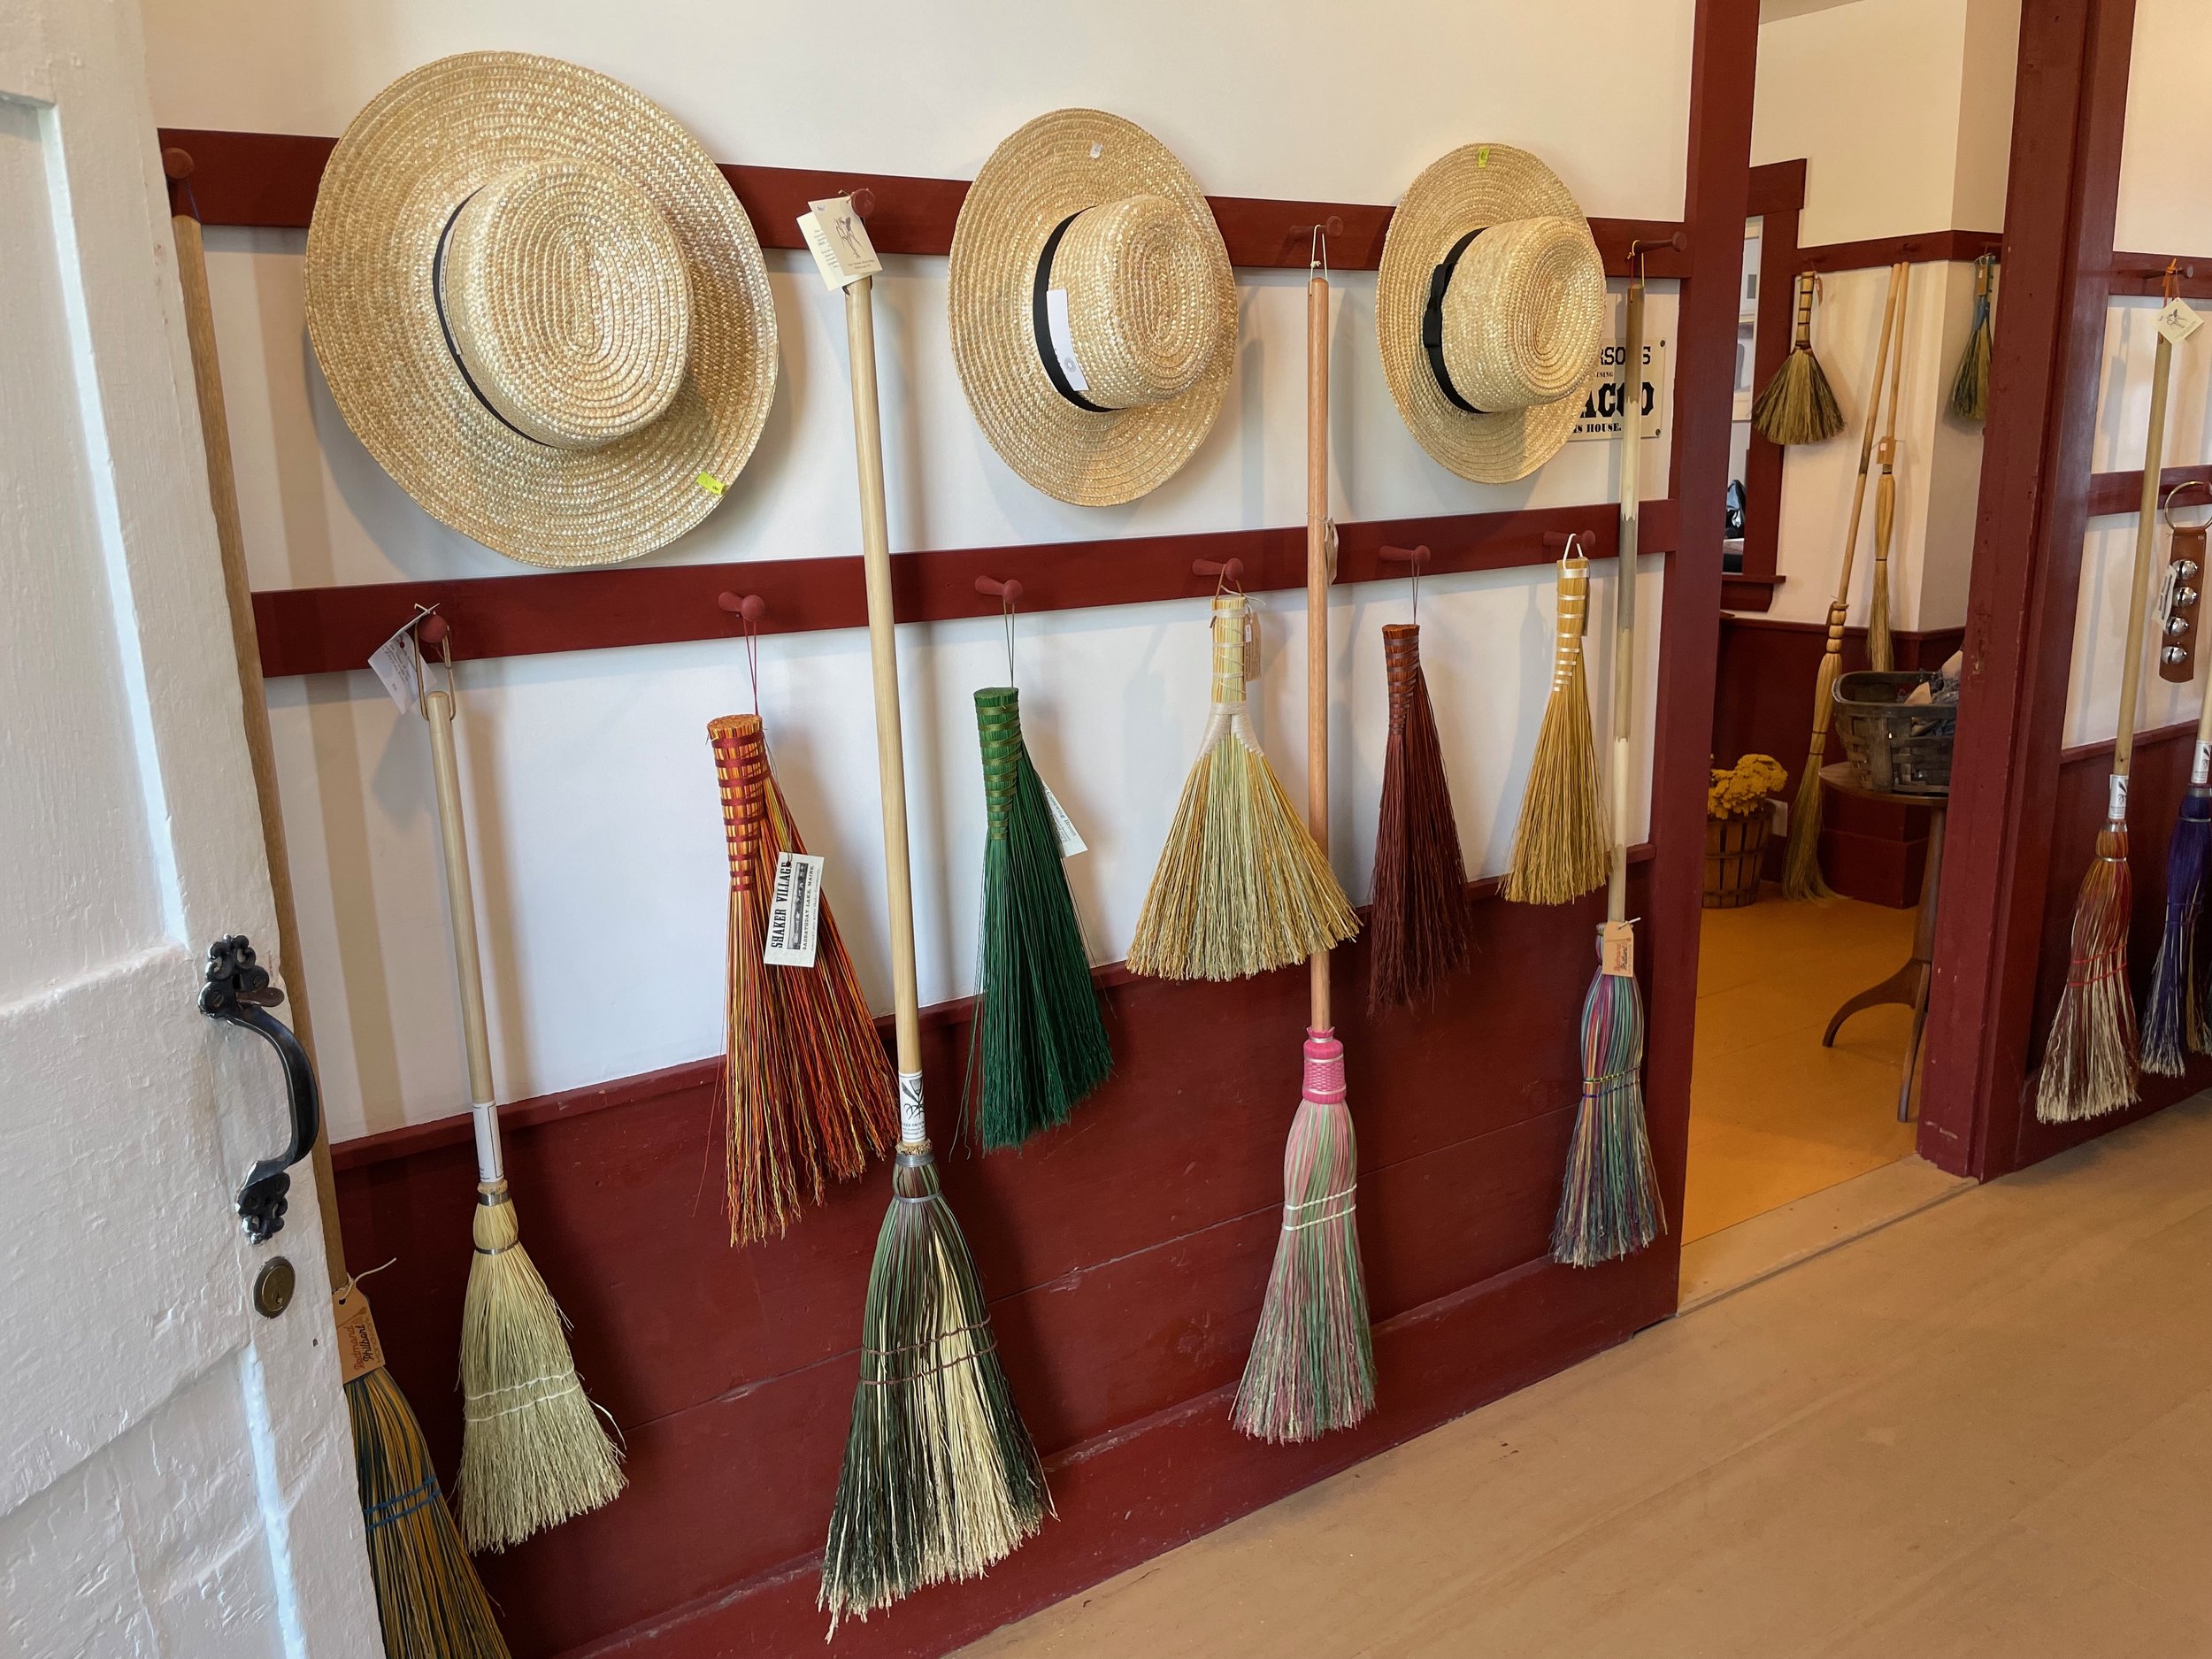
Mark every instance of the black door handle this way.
pixel 238 992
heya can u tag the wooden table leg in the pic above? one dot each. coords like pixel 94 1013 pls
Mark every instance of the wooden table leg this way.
pixel 1909 985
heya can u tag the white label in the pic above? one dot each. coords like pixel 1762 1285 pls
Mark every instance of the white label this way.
pixel 794 906
pixel 1616 949
pixel 396 664
pixel 2115 803
pixel 2178 321
pixel 838 239
pixel 1600 416
pixel 1063 337
pixel 2200 769
pixel 912 1129
pixel 1062 826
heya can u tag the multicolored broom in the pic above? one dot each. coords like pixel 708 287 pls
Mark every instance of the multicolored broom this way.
pixel 806 1085
pixel 1312 1364
pixel 1800 864
pixel 1609 1205
pixel 1417 924
pixel 2089 1059
pixel 2178 1013
pixel 940 1479
pixel 1881 649
pixel 534 1452
pixel 1242 888
pixel 1560 847
pixel 1969 388
pixel 1799 406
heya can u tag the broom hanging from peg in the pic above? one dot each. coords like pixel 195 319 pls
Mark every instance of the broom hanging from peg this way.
pixel 534 1452
pixel 1881 651
pixel 940 1479
pixel 2175 1012
pixel 1609 1204
pixel 1969 388
pixel 2089 1059
pixel 1799 406
pixel 1560 849
pixel 1800 865
pixel 1312 1364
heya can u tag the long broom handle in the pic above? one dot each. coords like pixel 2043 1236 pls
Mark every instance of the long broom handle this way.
pixel 1866 454
pixel 2138 595
pixel 875 549
pixel 460 903
pixel 222 488
pixel 1624 594
pixel 1885 452
pixel 1317 604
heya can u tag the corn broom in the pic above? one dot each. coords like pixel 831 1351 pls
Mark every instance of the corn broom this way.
pixel 1969 388
pixel 1560 848
pixel 806 1088
pixel 1798 406
pixel 1609 1204
pixel 940 1479
pixel 1881 650
pixel 1417 923
pixel 1312 1364
pixel 2089 1059
pixel 1800 864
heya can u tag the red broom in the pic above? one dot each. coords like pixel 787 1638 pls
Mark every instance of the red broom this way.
pixel 1418 926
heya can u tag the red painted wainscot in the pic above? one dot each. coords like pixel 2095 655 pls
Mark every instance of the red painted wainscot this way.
pixel 1126 1256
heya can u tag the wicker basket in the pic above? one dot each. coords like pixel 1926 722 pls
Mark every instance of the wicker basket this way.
pixel 1734 849
pixel 1895 747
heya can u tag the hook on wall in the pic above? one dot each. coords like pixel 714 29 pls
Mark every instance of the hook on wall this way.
pixel 746 607
pixel 1009 592
pixel 1226 570
pixel 1416 557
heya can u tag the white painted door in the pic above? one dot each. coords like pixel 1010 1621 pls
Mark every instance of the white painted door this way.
pixel 176 1475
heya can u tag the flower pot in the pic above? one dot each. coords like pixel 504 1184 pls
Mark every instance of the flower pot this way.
pixel 1734 849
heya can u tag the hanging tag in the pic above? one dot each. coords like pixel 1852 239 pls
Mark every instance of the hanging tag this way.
pixel 1251 645
pixel 1062 826
pixel 2178 321
pixel 396 664
pixel 838 239
pixel 712 485
pixel 2115 801
pixel 795 908
pixel 1063 337
pixel 1616 949
pixel 913 1130
pixel 359 1352
pixel 2200 769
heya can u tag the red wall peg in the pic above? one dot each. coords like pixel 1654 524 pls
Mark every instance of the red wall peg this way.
pixel 1231 570
pixel 1410 555
pixel 750 607
pixel 1009 590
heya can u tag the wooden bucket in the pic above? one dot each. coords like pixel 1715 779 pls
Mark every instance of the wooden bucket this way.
pixel 1734 849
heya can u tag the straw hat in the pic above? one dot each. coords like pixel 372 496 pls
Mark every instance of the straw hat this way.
pixel 1490 310
pixel 539 307
pixel 1094 315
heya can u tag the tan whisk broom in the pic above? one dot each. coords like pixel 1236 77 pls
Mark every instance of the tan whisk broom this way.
pixel 1881 649
pixel 1561 848
pixel 1800 865
pixel 1798 406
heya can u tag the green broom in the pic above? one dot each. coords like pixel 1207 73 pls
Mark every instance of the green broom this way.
pixel 1799 406
pixel 1969 388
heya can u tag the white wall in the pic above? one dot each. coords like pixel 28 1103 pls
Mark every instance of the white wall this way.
pixel 601 874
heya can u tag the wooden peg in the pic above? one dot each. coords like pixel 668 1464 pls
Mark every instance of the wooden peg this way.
pixel 1009 590
pixel 1228 570
pixel 1414 555
pixel 864 201
pixel 747 607
pixel 434 631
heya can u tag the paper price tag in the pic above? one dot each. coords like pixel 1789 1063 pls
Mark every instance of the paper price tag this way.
pixel 1616 949
pixel 1062 826
pixel 794 909
pixel 838 239
pixel 2179 321
pixel 359 1352
pixel 913 1129
pixel 395 663
pixel 2201 768
pixel 1251 646
pixel 2115 801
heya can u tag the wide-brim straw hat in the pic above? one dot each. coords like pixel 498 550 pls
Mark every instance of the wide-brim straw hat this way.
pixel 539 307
pixel 1093 313
pixel 1490 311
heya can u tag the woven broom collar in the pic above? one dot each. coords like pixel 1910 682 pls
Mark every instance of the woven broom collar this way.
pixel 1325 1068
pixel 1574 608
pixel 1401 661
pixel 998 723
pixel 1231 612
pixel 1523 314
pixel 1143 297
pixel 741 764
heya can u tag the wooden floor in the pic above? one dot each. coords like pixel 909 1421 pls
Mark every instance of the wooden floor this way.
pixel 1985 1429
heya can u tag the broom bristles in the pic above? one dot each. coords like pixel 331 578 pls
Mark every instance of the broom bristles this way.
pixel 940 1479
pixel 1038 1044
pixel 1609 1205
pixel 1417 926
pixel 1561 847
pixel 534 1452
pixel 1798 406
pixel 1800 860
pixel 2174 1013
pixel 1969 388
pixel 429 1601
pixel 1881 651
pixel 1312 1365
pixel 2089 1059
pixel 806 1086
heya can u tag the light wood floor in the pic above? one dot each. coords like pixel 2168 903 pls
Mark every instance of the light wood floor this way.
pixel 1985 1429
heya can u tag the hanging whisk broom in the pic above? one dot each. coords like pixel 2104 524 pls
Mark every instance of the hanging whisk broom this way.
pixel 1800 865
pixel 1417 924
pixel 1969 388
pixel 1609 1204
pixel 1312 1364
pixel 1560 849
pixel 1881 651
pixel 940 1479
pixel 2175 1014
pixel 533 1451
pixel 1798 406
pixel 1241 887
pixel 806 1085
pixel 2089 1059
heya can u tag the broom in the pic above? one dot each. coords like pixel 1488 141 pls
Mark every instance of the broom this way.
pixel 1881 650
pixel 1800 865
pixel 1609 1204
pixel 1241 887
pixel 2174 1015
pixel 1559 847
pixel 1969 388
pixel 533 1451
pixel 1038 1044
pixel 940 1479
pixel 1417 926
pixel 1312 1364
pixel 1799 406
pixel 806 1085
pixel 429 1602
pixel 2089 1057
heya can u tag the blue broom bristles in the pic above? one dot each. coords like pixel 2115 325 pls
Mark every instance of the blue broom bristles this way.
pixel 2174 1014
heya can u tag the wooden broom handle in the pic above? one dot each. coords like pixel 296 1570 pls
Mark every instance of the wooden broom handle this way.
pixel 468 961
pixel 1624 595
pixel 222 488
pixel 1318 605
pixel 2146 537
pixel 875 549
pixel 1866 439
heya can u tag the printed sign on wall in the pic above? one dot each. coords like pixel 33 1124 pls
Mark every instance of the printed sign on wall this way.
pixel 1600 416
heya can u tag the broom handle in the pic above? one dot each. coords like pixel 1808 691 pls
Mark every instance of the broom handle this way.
pixel 1624 593
pixel 222 488
pixel 2138 595
pixel 875 549
pixel 468 963
pixel 1866 454
pixel 1317 605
